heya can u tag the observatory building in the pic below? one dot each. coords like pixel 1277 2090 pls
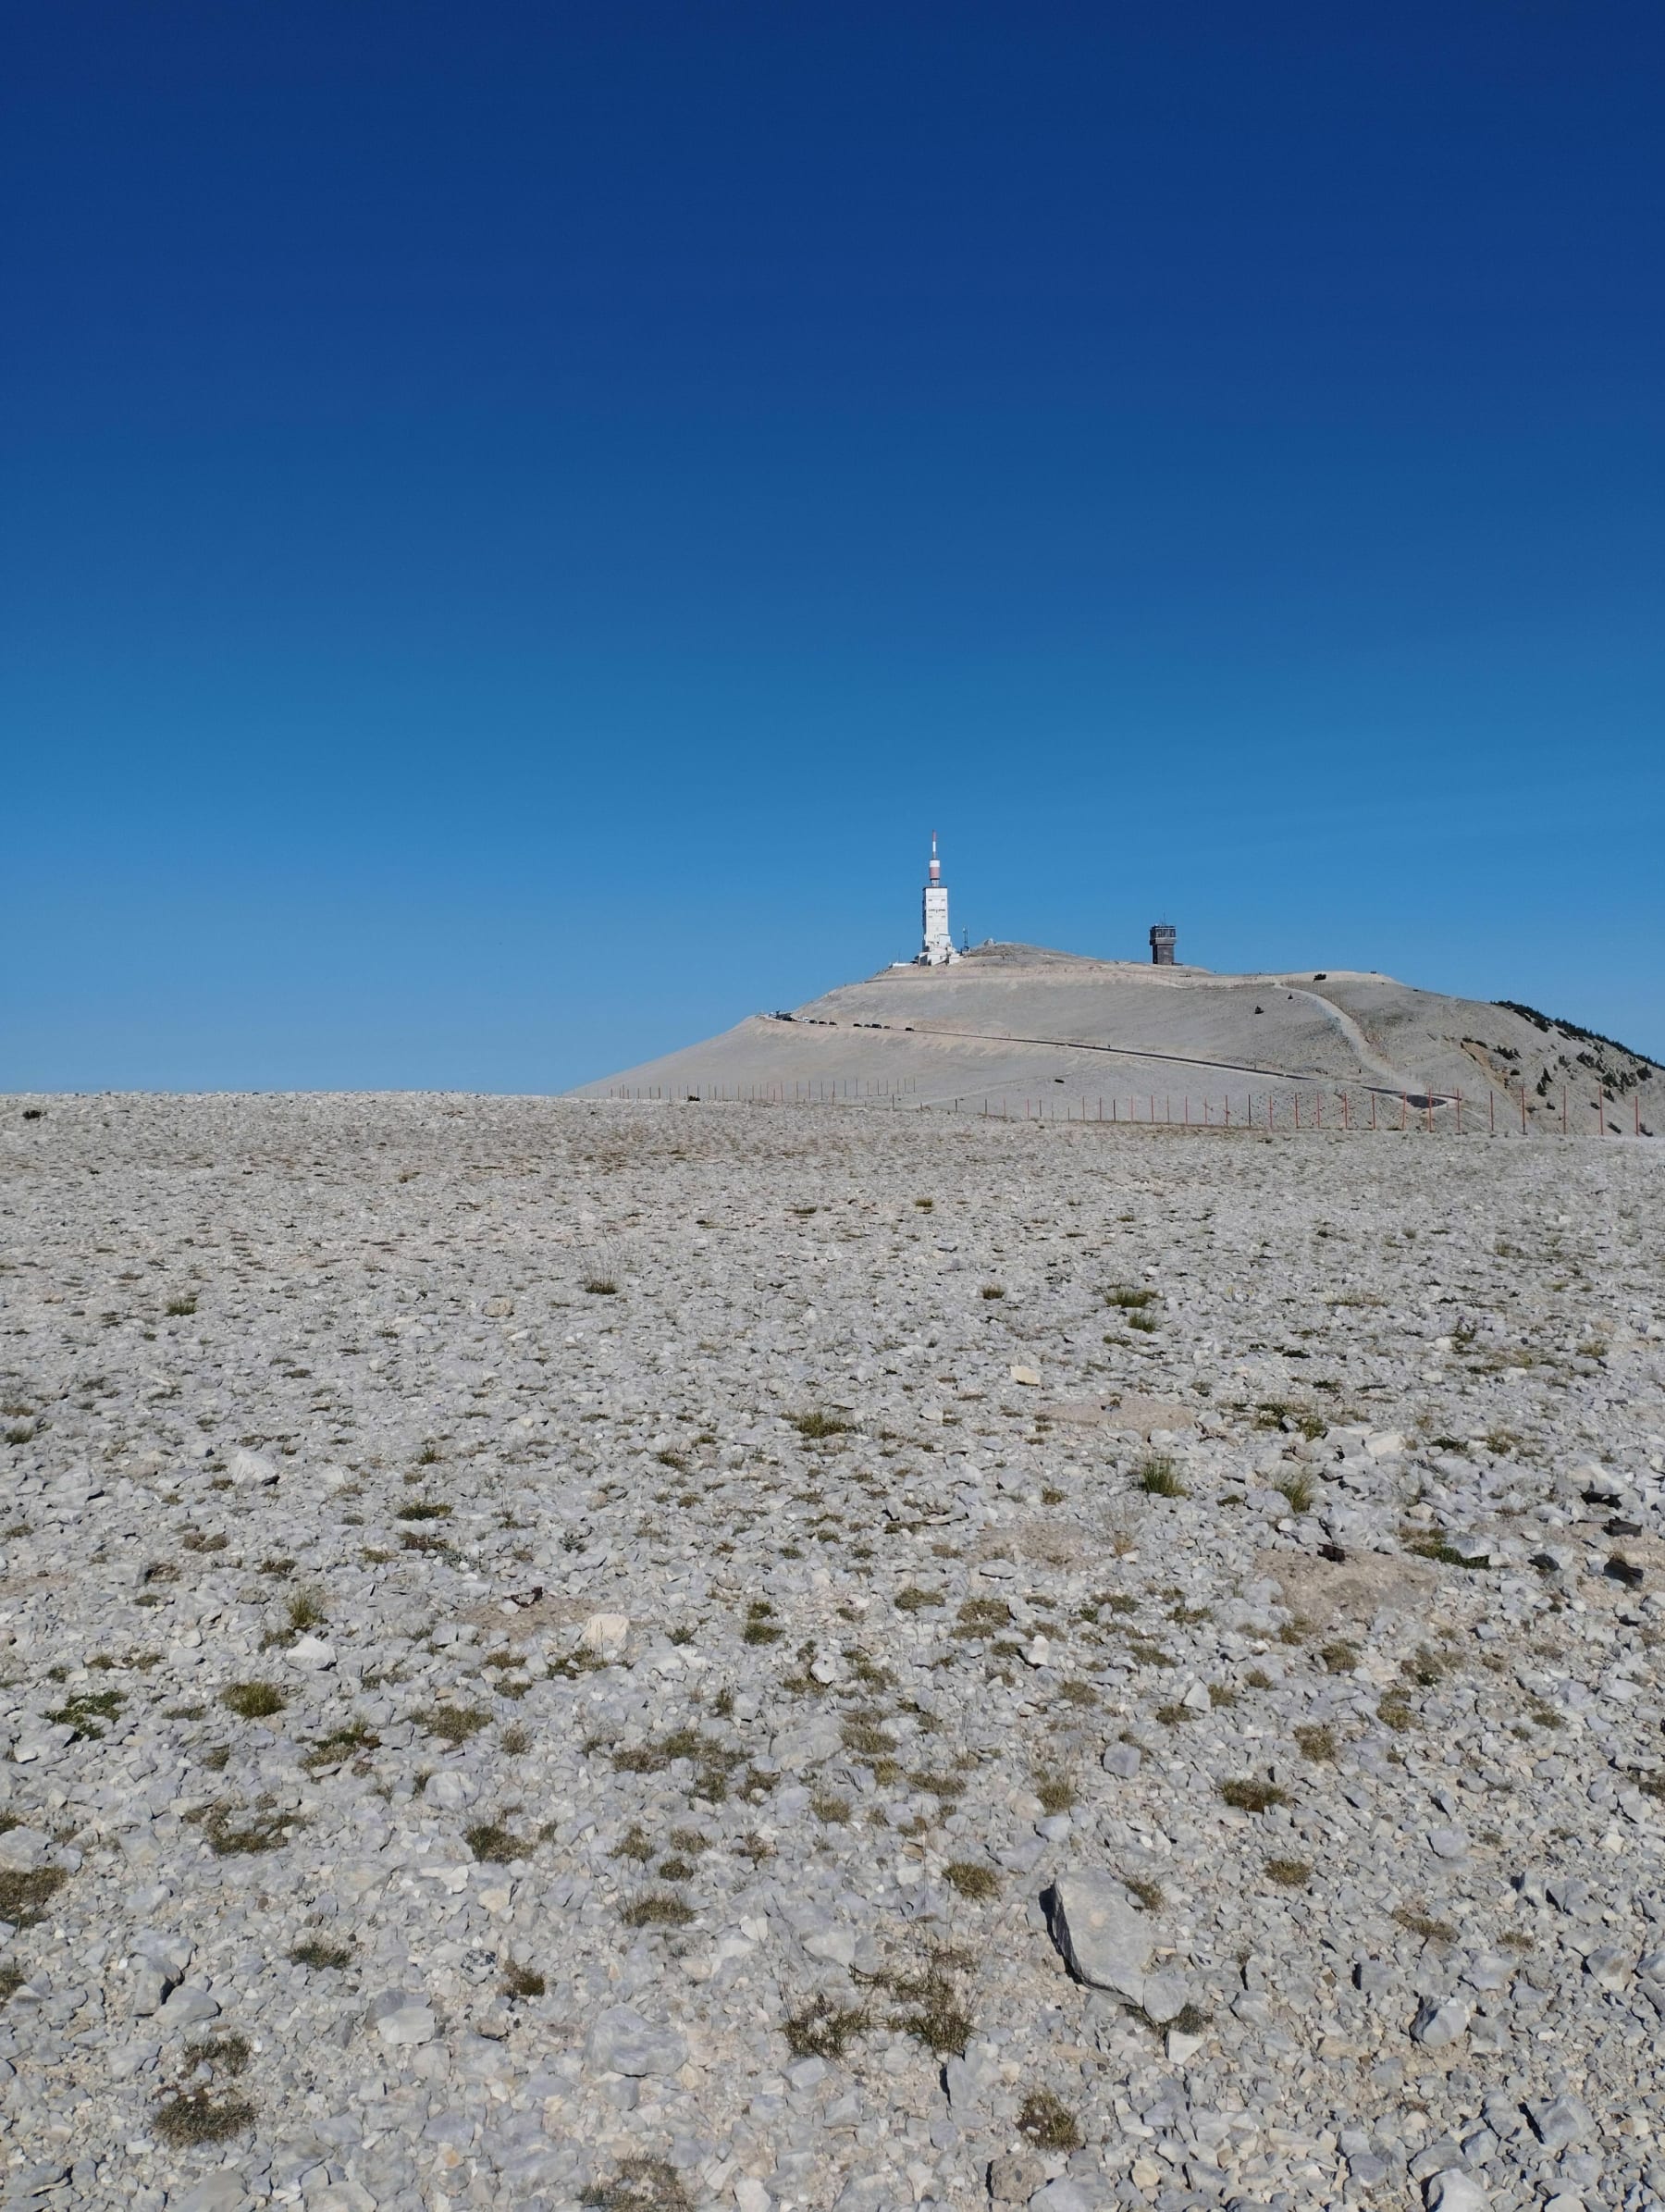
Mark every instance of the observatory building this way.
pixel 937 948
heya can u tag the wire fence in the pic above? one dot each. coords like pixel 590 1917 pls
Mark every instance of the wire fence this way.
pixel 1295 1108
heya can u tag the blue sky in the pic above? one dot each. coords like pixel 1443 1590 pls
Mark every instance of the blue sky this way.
pixel 520 521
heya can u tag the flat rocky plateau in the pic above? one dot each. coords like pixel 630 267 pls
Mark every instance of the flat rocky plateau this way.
pixel 691 1656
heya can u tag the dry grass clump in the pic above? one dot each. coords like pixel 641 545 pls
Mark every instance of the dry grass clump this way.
pixel 815 1425
pixel 197 2116
pixel 713 1763
pixel 978 1883
pixel 824 2029
pixel 912 1600
pixel 321 1958
pixel 1247 1795
pixel 252 1700
pixel 1288 1873
pixel 25 1896
pixel 453 1724
pixel 640 2185
pixel 932 2015
pixel 982 1617
pixel 1048 2123
pixel 492 1841
pixel 1158 1477
pixel 658 1909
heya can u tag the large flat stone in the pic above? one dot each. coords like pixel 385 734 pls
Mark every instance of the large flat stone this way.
pixel 1102 1935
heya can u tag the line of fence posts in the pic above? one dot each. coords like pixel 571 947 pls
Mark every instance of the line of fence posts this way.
pixel 1035 1110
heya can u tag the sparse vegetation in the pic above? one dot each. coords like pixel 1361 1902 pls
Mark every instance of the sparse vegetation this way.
pixel 24 1897
pixel 815 1426
pixel 197 2116
pixel 978 1883
pixel 824 2029
pixel 453 1724
pixel 911 1600
pixel 321 1956
pixel 1317 1742
pixel 1157 1477
pixel 1246 1795
pixel 252 1700
pixel 244 1831
pixel 492 1841
pixel 931 2013
pixel 1048 2123
pixel 658 1909
pixel 87 1712
pixel 640 2185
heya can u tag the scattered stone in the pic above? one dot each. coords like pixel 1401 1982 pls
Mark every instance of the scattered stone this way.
pixel 472 1737
pixel 1104 1937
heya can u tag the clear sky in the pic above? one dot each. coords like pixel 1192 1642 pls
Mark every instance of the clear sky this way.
pixel 519 520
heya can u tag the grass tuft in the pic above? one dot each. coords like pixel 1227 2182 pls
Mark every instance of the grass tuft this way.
pixel 252 1700
pixel 816 1424
pixel 978 1883
pixel 491 1840
pixel 824 2029
pixel 321 1958
pixel 640 2185
pixel 25 1896
pixel 658 1909
pixel 1246 1795
pixel 197 2116
pixel 1049 2124
pixel 453 1724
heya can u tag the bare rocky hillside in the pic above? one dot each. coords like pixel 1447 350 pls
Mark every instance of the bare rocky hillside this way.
pixel 1018 1024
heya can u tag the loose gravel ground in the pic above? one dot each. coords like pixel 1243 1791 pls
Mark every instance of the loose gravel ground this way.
pixel 681 1657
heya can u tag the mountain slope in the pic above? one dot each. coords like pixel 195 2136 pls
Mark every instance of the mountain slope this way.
pixel 1020 1022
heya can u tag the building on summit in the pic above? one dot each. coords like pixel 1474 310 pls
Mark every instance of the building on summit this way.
pixel 1164 936
pixel 937 949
